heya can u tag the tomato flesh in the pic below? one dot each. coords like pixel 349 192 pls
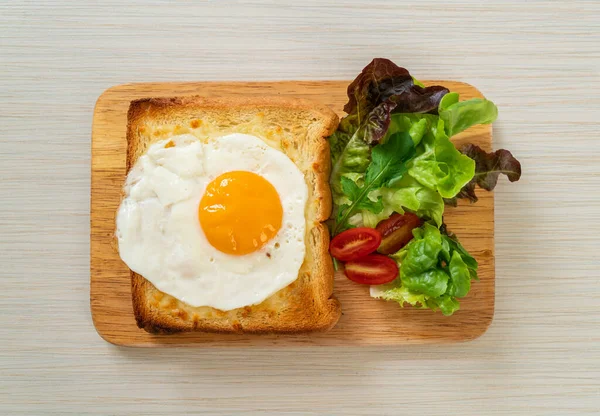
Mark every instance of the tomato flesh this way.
pixel 355 243
pixel 374 269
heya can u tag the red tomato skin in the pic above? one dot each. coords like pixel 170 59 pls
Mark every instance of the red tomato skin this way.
pixel 355 243
pixel 396 231
pixel 374 269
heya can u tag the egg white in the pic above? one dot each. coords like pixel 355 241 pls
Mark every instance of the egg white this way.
pixel 160 236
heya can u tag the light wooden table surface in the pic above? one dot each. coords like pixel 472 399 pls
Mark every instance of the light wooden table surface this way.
pixel 539 61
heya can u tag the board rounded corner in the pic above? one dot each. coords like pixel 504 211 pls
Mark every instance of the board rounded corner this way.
pixel 482 329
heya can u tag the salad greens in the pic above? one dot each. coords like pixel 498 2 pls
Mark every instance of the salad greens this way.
pixel 384 83
pixel 488 167
pixel 393 153
pixel 435 270
pixel 460 115
pixel 407 194
pixel 438 165
pixel 388 165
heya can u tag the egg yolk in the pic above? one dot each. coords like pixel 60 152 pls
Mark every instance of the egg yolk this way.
pixel 240 212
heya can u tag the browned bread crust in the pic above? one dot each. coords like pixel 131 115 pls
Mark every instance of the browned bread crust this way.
pixel 296 127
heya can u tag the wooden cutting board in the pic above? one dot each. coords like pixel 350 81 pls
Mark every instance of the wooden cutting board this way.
pixel 365 321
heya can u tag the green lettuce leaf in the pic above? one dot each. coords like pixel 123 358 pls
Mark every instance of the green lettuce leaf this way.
pixel 460 115
pixel 350 157
pixel 357 200
pixel 460 282
pixel 445 303
pixel 417 125
pixel 432 282
pixel 438 165
pixel 407 195
pixel 435 270
pixel 388 165
pixel 396 292
pixel 422 252
pixel 451 244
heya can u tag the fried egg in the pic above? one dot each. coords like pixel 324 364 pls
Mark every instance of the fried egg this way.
pixel 218 223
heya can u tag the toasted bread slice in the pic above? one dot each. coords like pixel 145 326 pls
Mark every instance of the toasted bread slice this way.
pixel 296 127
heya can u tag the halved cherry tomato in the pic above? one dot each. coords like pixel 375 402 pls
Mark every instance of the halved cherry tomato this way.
pixel 354 243
pixel 374 269
pixel 396 231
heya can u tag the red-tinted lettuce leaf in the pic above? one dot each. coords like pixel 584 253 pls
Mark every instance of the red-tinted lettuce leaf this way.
pixel 383 80
pixel 419 100
pixel 378 121
pixel 488 167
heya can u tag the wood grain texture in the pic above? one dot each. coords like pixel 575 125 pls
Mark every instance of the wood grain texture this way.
pixel 365 321
pixel 539 61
